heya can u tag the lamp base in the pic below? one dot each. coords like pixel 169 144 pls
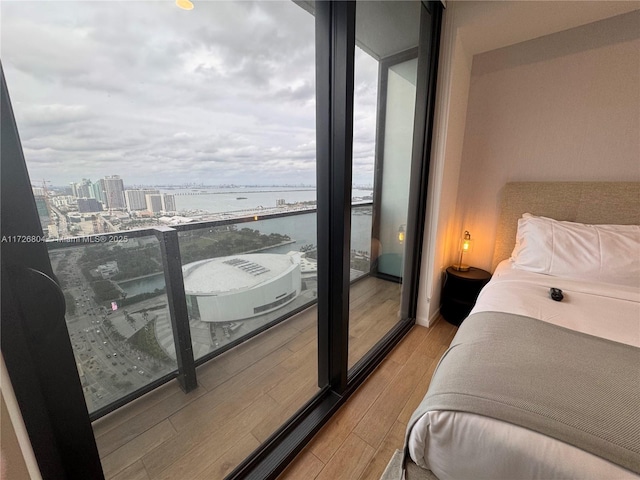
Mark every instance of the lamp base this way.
pixel 461 267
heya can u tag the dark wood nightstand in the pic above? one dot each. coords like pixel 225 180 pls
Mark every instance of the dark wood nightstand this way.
pixel 460 291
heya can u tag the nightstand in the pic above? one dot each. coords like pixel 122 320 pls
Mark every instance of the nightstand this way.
pixel 460 291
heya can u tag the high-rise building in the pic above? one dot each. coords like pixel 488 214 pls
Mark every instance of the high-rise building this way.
pixel 85 189
pixel 114 188
pixel 168 202
pixel 43 212
pixel 38 191
pixel 86 205
pixel 74 189
pixel 99 191
pixel 154 202
pixel 136 199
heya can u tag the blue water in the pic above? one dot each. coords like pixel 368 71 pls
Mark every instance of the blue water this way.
pixel 143 285
pixel 300 228
pixel 218 200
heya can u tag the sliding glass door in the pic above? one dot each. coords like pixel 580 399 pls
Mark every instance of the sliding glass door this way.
pixel 386 61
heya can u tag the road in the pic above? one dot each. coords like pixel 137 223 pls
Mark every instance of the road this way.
pixel 109 367
pixel 63 226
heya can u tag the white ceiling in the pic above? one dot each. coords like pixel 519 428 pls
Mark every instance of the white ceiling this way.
pixel 385 28
pixel 488 25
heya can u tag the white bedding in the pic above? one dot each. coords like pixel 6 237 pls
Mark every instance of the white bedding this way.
pixel 457 445
pixel 601 309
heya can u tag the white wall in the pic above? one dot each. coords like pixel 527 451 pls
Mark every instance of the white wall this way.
pixel 564 107
pixel 470 28
pixel 18 460
pixel 451 105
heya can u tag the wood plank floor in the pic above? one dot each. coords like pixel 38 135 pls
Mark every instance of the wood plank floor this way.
pixel 246 393
pixel 358 442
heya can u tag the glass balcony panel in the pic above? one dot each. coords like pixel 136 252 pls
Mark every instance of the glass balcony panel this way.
pixel 117 316
pixel 384 102
pixel 243 277
pixel 360 239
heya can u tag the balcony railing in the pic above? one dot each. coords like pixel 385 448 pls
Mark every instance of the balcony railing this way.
pixel 146 306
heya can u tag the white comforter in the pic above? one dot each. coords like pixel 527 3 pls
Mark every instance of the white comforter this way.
pixel 457 445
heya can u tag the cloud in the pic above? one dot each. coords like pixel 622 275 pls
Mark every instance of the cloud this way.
pixel 158 95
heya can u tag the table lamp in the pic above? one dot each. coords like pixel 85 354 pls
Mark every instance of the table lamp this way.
pixel 465 247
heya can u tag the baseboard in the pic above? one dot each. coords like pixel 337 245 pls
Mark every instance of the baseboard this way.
pixel 434 317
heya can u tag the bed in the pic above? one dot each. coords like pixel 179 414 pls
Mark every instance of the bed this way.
pixel 595 433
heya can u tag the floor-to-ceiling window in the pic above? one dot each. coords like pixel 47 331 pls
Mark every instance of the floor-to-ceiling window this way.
pixel 386 60
pixel 178 176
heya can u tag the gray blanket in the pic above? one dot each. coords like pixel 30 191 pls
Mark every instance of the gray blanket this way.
pixel 579 389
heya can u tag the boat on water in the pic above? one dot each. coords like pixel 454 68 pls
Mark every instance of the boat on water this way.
pixel 241 198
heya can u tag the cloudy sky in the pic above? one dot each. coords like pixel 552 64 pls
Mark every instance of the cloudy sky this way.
pixel 224 93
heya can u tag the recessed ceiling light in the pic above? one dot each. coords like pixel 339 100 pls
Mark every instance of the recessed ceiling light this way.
pixel 184 4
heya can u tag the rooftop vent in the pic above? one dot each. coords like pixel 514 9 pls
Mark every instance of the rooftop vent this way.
pixel 247 266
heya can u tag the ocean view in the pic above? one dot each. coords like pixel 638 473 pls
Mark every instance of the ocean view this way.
pixel 300 228
pixel 219 200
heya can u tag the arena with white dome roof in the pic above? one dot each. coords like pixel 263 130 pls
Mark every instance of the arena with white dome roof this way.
pixel 240 286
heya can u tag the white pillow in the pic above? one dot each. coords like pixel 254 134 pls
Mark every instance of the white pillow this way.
pixel 600 253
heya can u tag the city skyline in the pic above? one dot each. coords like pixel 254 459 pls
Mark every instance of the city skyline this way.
pixel 135 186
pixel 88 183
pixel 224 96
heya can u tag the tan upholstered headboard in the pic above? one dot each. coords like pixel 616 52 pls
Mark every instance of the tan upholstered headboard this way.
pixel 615 203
